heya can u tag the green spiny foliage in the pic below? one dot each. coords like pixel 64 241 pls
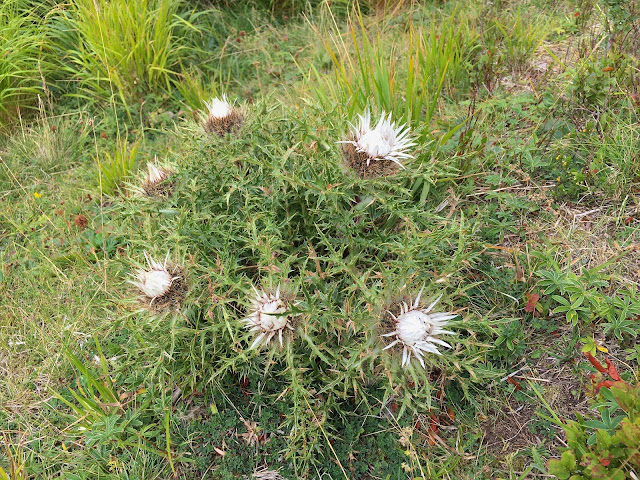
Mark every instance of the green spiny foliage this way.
pixel 275 208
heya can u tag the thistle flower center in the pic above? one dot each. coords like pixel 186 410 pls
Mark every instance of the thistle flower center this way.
pixel 156 282
pixel 269 320
pixel 376 143
pixel 413 326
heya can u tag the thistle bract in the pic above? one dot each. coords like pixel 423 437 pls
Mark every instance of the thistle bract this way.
pixel 376 151
pixel 267 317
pixel 222 117
pixel 417 330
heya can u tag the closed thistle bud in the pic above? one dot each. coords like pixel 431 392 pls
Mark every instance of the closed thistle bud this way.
pixel 222 117
pixel 417 330
pixel 376 151
pixel 157 182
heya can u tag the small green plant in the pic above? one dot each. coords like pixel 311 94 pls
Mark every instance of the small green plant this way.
pixel 509 344
pixel 579 298
pixel 117 167
pixel 113 423
pixel 608 447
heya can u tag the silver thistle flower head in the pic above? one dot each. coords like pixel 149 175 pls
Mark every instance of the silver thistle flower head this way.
pixel 267 317
pixel 417 330
pixel 156 281
pixel 385 141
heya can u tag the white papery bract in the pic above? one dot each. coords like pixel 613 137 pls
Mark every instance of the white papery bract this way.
pixel 156 173
pixel 219 108
pixel 156 281
pixel 267 317
pixel 385 141
pixel 417 330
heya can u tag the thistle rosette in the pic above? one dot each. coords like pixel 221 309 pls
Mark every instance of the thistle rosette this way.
pixel 268 316
pixel 222 117
pixel 417 330
pixel 377 151
pixel 161 285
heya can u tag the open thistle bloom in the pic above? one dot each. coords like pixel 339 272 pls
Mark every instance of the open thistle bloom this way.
pixel 267 317
pixel 375 151
pixel 156 282
pixel 222 117
pixel 417 330
pixel 156 184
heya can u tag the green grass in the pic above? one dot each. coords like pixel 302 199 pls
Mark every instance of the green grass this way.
pixel 520 208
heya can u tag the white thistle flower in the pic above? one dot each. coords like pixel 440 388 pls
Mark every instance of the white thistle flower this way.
pixel 385 141
pixel 417 330
pixel 222 117
pixel 267 317
pixel 156 281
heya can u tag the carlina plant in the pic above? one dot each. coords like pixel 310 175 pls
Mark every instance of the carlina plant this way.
pixel 161 285
pixel 222 117
pixel 376 151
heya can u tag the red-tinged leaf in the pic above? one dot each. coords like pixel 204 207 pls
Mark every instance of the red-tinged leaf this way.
pixel 607 69
pixel 556 334
pixel 604 461
pixel 532 300
pixel 515 383
pixel 595 363
pixel 431 441
pixel 605 383
pixel 611 369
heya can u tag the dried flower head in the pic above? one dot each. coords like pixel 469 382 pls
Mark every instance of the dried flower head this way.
pixel 268 317
pixel 266 474
pixel 417 330
pixel 158 182
pixel 161 285
pixel 222 117
pixel 376 151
